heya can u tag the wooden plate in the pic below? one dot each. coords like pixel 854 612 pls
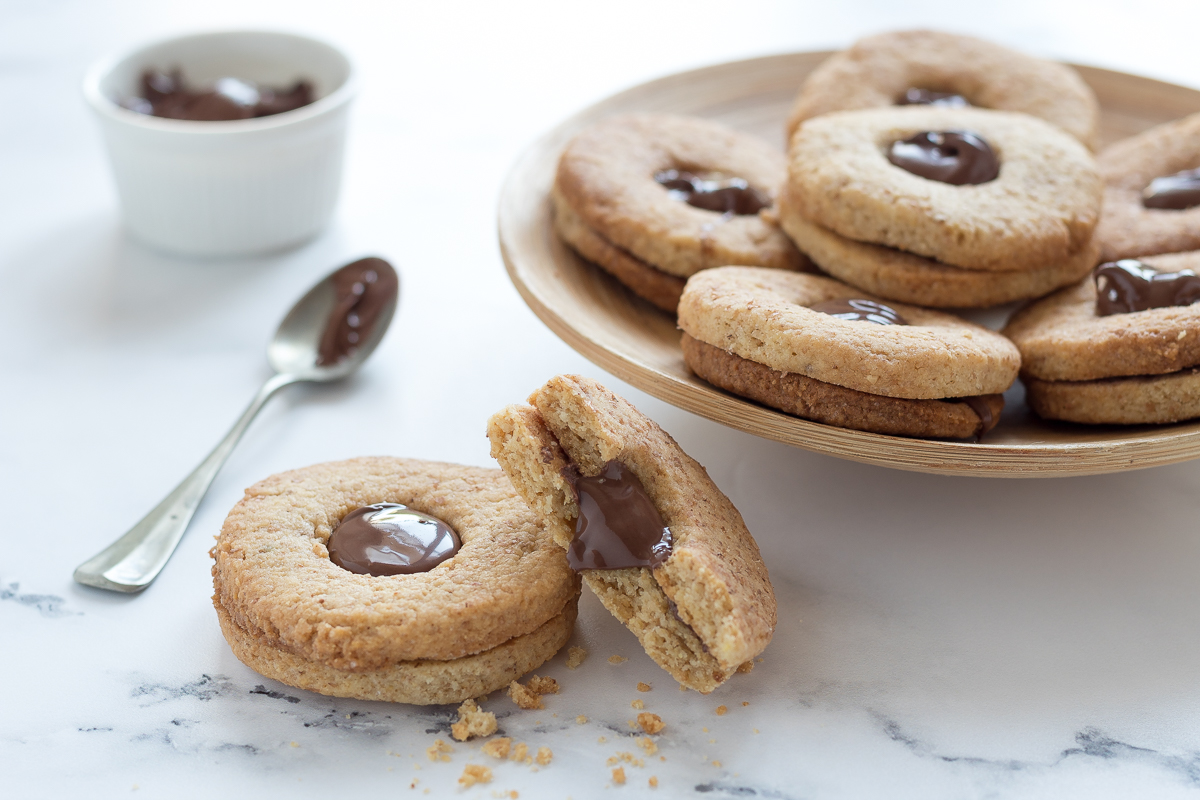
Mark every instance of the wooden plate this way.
pixel 639 344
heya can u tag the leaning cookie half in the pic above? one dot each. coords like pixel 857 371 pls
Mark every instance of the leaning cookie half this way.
pixel 391 579
pixel 651 534
pixel 820 349
pixel 1119 348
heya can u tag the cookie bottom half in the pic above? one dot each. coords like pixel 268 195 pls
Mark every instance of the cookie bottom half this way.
pixel 836 405
pixel 647 282
pixel 417 682
pixel 909 278
pixel 1138 400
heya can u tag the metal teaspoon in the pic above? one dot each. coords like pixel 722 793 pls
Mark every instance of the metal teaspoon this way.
pixel 326 336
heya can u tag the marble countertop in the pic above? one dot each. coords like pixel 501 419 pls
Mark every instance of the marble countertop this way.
pixel 938 637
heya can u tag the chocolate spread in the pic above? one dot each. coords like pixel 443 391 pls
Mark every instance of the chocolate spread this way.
pixel 364 288
pixel 1129 285
pixel 1175 192
pixel 391 539
pixel 713 192
pixel 618 525
pixel 167 95
pixel 856 310
pixel 925 97
pixel 955 157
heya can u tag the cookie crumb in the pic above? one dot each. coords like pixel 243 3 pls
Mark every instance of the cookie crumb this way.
pixel 475 773
pixel 414 783
pixel 648 746
pixel 576 656
pixel 744 704
pixel 643 687
pixel 617 659
pixel 722 711
pixel 716 763
pixel 544 755
pixel 438 751
pixel 524 697
pixel 602 740
pixel 472 722
pixel 746 667
pixel 618 776
pixel 651 723
pixel 637 704
pixel 543 685
pixel 682 688
pixel 520 754
pixel 498 748
pixel 756 730
pixel 295 744
pixel 581 720
pixel 653 781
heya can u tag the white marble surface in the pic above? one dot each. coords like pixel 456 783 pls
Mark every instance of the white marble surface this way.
pixel 938 637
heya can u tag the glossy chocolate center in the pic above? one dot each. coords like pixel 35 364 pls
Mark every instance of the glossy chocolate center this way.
pixel 1175 192
pixel 391 539
pixel 956 157
pixel 713 192
pixel 860 310
pixel 1128 285
pixel 618 525
pixel 983 410
pixel 363 289
pixel 925 97
pixel 166 95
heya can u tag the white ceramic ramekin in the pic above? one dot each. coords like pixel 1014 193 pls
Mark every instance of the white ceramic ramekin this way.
pixel 227 188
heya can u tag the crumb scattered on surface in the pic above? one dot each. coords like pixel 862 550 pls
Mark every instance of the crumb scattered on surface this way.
pixel 498 748
pixel 704 730
pixel 544 755
pixel 580 720
pixel 758 660
pixel 648 746
pixel 475 773
pixel 712 741
pixel 633 723
pixel 618 776
pixel 617 659
pixel 643 687
pixel 414 783
pixel 524 697
pixel 756 730
pixel 472 722
pixel 295 744
pixel 439 751
pixel 576 656
pixel 651 723
pixel 602 740
pixel 543 685
pixel 520 754
pixel 716 763
pixel 637 704
pixel 682 688
pixel 744 703
pixel 653 781
pixel 746 667
pixel 722 711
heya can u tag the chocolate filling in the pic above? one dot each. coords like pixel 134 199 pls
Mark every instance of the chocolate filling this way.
pixel 959 158
pixel 391 539
pixel 166 95
pixel 1174 192
pixel 925 97
pixel 713 192
pixel 618 525
pixel 1129 285
pixel 856 310
pixel 363 289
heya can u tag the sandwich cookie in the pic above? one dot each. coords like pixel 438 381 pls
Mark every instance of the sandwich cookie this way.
pixel 652 536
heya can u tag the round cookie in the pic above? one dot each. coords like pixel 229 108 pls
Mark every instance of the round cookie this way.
pixel 1061 338
pixel 763 316
pixel 1038 212
pixel 1127 228
pixel 1138 400
pixel 606 175
pixel 897 275
pixel 878 71
pixel 307 621
pixel 703 609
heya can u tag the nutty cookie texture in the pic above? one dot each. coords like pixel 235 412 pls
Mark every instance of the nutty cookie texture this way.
pixel 881 70
pixel 670 194
pixel 1123 368
pixel 1128 227
pixel 502 605
pixel 1037 213
pixel 756 333
pixel 708 607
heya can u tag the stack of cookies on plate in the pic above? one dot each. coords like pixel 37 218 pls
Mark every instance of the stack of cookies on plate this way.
pixel 924 171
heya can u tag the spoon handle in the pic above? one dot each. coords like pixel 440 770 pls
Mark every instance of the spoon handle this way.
pixel 130 563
